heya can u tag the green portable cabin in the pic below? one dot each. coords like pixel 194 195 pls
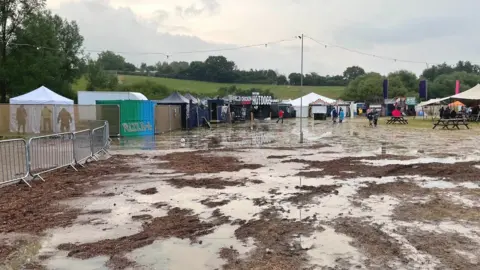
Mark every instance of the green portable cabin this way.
pixel 136 116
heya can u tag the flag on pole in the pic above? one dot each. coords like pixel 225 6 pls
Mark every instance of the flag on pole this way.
pixel 385 89
pixel 422 89
pixel 457 87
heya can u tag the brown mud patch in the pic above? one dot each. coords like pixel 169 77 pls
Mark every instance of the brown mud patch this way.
pixel 380 248
pixel 213 204
pixel 399 189
pixel 278 157
pixel 209 183
pixel 445 247
pixel 148 191
pixel 194 162
pixel 97 212
pixel 32 210
pixel 180 223
pixel 5 251
pixel 436 209
pixel 348 167
pixel 276 241
pixel 311 192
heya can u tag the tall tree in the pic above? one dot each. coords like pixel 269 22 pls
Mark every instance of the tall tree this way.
pixel 12 15
pixel 111 61
pixel 351 73
pixel 54 61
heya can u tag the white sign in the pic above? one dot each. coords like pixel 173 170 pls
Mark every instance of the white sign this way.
pixel 261 100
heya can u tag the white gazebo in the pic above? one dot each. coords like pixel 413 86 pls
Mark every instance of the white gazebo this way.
pixel 305 102
pixel 42 107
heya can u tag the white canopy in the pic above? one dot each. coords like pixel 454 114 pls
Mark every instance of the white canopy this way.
pixel 40 96
pixel 41 112
pixel 470 94
pixel 432 101
pixel 312 97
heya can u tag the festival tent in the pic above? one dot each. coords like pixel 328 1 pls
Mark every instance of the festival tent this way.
pixel 305 102
pixel 40 110
pixel 432 101
pixel 174 99
pixel 192 98
pixel 456 103
pixel 471 94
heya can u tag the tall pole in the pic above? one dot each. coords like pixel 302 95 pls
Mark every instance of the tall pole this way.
pixel 301 93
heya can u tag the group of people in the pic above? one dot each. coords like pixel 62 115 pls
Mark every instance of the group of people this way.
pixel 64 119
pixel 340 115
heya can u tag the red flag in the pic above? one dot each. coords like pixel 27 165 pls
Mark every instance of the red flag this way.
pixel 457 87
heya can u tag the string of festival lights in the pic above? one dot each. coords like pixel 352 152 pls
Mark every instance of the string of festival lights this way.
pixel 168 55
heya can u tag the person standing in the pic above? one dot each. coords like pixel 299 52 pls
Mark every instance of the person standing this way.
pixel 375 117
pixel 64 118
pixel 46 119
pixel 280 115
pixel 334 115
pixel 21 118
pixel 341 115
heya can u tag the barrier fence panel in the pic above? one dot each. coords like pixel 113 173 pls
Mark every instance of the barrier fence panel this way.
pixel 82 149
pixel 99 140
pixel 51 152
pixel 13 161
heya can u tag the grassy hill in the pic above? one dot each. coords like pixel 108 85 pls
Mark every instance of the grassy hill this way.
pixel 209 88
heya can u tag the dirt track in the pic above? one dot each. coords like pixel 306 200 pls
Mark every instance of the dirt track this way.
pixel 251 211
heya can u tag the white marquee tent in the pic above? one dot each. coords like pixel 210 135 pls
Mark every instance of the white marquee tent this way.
pixel 471 94
pixel 42 107
pixel 306 100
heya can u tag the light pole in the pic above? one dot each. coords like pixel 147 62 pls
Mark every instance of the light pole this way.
pixel 301 92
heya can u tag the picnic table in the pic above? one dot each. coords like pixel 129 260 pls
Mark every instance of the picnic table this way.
pixel 454 122
pixel 397 119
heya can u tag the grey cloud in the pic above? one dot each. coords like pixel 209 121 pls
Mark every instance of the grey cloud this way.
pixel 121 31
pixel 208 6
pixel 161 15
pixel 411 31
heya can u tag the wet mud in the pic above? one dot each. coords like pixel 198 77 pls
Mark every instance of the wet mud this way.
pixel 179 223
pixel 310 192
pixel 381 249
pixel 349 167
pixel 193 163
pixel 448 248
pixel 276 240
pixel 32 210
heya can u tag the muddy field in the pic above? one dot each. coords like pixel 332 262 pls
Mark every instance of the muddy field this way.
pixel 253 198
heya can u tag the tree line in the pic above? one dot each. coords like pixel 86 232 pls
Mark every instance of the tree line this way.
pixel 440 80
pixel 214 69
pixel 38 48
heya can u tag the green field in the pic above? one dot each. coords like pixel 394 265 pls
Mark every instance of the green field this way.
pixel 208 88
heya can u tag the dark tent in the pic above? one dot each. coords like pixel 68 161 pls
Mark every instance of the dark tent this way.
pixel 192 98
pixel 195 113
pixel 175 98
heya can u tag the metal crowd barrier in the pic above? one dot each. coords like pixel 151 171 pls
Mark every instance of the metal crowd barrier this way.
pixel 13 161
pixel 42 154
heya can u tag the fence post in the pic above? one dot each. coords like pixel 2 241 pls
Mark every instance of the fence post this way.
pixel 170 117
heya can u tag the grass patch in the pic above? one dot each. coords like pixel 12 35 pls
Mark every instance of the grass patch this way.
pixel 210 88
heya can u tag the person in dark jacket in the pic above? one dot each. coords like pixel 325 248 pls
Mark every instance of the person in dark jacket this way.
pixel 334 115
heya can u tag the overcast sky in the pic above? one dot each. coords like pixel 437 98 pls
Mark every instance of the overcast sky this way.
pixel 430 31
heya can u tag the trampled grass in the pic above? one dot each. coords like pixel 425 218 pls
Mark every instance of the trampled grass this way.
pixel 210 89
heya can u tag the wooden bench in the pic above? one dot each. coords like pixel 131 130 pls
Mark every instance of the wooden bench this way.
pixel 399 120
pixel 454 122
